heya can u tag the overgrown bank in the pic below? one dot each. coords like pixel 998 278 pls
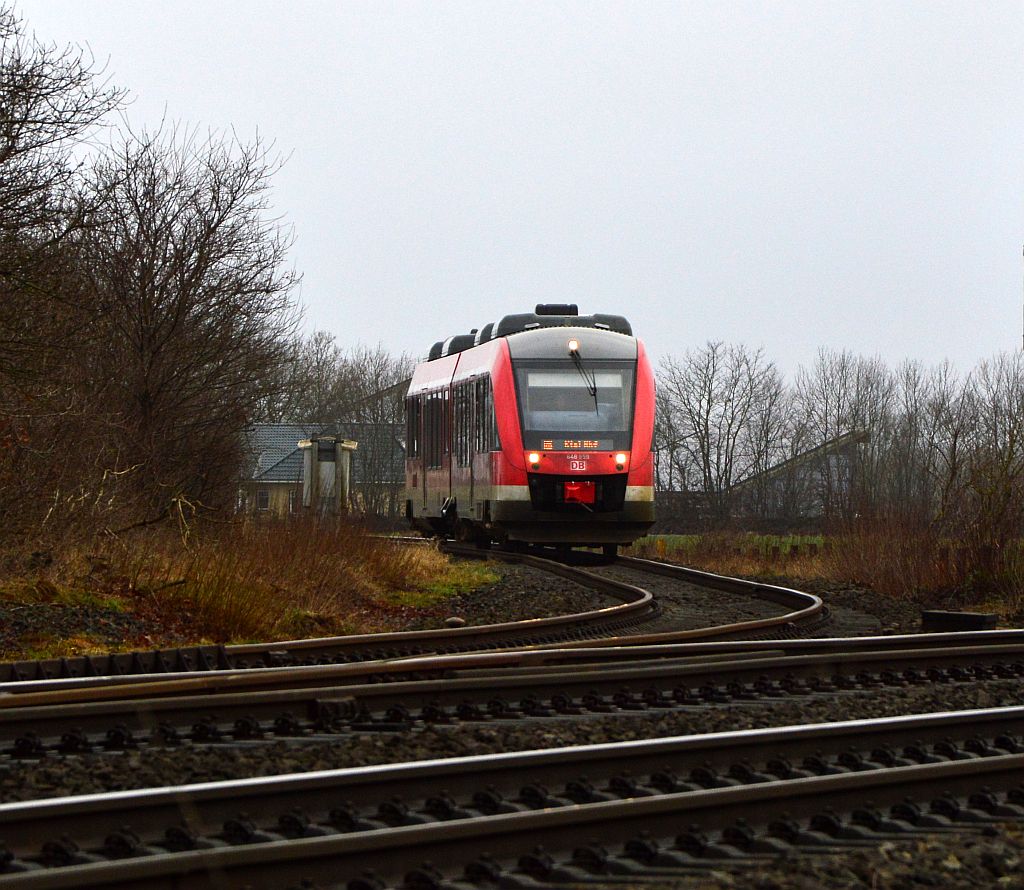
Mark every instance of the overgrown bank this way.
pixel 222 582
pixel 923 570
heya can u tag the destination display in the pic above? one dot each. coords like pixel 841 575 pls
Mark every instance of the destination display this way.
pixel 577 445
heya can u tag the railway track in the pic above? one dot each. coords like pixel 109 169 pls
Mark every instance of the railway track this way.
pixel 642 809
pixel 799 612
pixel 299 703
pixel 638 812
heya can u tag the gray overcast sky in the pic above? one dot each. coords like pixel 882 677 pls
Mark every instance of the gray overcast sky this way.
pixel 792 175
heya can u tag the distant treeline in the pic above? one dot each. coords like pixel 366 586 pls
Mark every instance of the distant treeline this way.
pixel 924 466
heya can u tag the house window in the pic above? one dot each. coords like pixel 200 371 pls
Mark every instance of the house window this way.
pixel 262 499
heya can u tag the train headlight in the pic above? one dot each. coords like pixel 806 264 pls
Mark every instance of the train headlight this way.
pixel 574 345
pixel 534 458
pixel 620 461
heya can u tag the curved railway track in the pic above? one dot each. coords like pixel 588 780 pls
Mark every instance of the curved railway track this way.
pixel 800 611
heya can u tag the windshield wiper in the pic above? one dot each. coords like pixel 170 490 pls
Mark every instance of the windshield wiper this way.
pixel 590 379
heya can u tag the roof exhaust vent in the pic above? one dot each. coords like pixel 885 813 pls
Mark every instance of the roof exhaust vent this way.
pixel 556 309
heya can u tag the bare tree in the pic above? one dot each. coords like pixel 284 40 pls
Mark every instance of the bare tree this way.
pixel 313 383
pixel 359 392
pixel 188 271
pixel 723 405
pixel 841 394
pixel 375 409
pixel 997 469
pixel 52 100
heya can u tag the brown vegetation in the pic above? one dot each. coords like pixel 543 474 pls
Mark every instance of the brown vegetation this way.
pixel 240 581
pixel 898 562
pixel 145 304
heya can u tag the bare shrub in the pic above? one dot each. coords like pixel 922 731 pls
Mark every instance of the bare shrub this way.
pixel 257 579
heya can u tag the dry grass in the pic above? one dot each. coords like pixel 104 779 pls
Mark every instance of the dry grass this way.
pixel 905 563
pixel 244 581
pixel 266 580
pixel 741 554
pixel 940 572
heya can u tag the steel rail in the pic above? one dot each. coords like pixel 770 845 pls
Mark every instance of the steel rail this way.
pixel 802 608
pixel 635 606
pixel 90 819
pixel 614 649
pixel 191 699
pixel 805 608
pixel 334 859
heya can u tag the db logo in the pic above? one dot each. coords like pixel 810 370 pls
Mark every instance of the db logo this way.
pixel 578 465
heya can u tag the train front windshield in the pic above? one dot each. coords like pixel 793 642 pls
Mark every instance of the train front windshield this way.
pixel 570 406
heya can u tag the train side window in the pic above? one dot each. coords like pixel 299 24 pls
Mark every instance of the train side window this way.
pixel 463 416
pixel 439 428
pixel 478 437
pixel 492 421
pixel 446 421
pixel 412 425
pixel 419 426
pixel 425 408
pixel 458 420
pixel 485 428
pixel 432 429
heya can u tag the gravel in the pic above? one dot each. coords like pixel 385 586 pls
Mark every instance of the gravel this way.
pixel 525 592
pixel 20 623
pixel 148 767
pixel 857 611
pixel 521 592
pixel 685 606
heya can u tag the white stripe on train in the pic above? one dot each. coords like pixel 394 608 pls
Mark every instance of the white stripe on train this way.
pixel 522 493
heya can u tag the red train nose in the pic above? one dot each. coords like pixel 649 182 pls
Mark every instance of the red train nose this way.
pixel 578 492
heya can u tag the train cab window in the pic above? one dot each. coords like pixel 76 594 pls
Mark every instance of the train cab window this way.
pixel 564 398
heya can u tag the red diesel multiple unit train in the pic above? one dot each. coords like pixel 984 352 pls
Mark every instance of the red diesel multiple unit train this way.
pixel 537 429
